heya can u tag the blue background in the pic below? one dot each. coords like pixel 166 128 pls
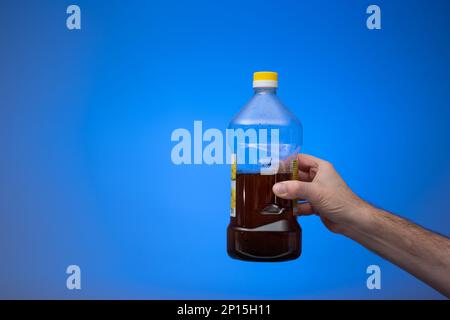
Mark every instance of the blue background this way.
pixel 86 117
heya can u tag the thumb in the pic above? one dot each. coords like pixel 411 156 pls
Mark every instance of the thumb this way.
pixel 294 189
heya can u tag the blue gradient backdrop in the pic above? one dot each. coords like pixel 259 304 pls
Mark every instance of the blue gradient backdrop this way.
pixel 86 117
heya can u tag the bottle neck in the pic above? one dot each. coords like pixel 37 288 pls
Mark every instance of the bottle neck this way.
pixel 265 90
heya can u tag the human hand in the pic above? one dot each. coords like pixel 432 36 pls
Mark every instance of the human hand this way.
pixel 421 252
pixel 326 193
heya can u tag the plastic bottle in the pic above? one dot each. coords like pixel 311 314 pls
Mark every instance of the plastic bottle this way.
pixel 262 226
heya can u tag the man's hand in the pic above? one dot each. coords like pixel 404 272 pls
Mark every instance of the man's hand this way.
pixel 422 253
pixel 327 194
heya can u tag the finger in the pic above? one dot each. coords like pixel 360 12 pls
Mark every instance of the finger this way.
pixel 304 176
pixel 294 189
pixel 304 209
pixel 306 161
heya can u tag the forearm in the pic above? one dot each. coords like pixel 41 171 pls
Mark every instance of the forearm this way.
pixel 422 253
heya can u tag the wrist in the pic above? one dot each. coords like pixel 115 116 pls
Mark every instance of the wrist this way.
pixel 360 219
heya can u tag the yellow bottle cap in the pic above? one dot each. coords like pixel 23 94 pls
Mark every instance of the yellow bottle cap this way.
pixel 265 79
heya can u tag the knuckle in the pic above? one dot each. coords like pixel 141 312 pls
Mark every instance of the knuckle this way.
pixel 328 165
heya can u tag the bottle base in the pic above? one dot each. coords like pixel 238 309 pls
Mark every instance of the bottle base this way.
pixel 238 256
pixel 263 246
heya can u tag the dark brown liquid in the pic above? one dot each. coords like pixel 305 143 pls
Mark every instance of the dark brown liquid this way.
pixel 265 228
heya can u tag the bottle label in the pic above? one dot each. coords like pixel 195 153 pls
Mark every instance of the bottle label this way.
pixel 233 186
pixel 294 177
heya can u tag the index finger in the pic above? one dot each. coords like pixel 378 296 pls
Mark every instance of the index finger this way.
pixel 306 161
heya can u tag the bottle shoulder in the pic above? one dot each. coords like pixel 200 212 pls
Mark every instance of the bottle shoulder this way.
pixel 265 110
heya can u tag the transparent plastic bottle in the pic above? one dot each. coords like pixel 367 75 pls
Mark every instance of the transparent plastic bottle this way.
pixel 262 226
